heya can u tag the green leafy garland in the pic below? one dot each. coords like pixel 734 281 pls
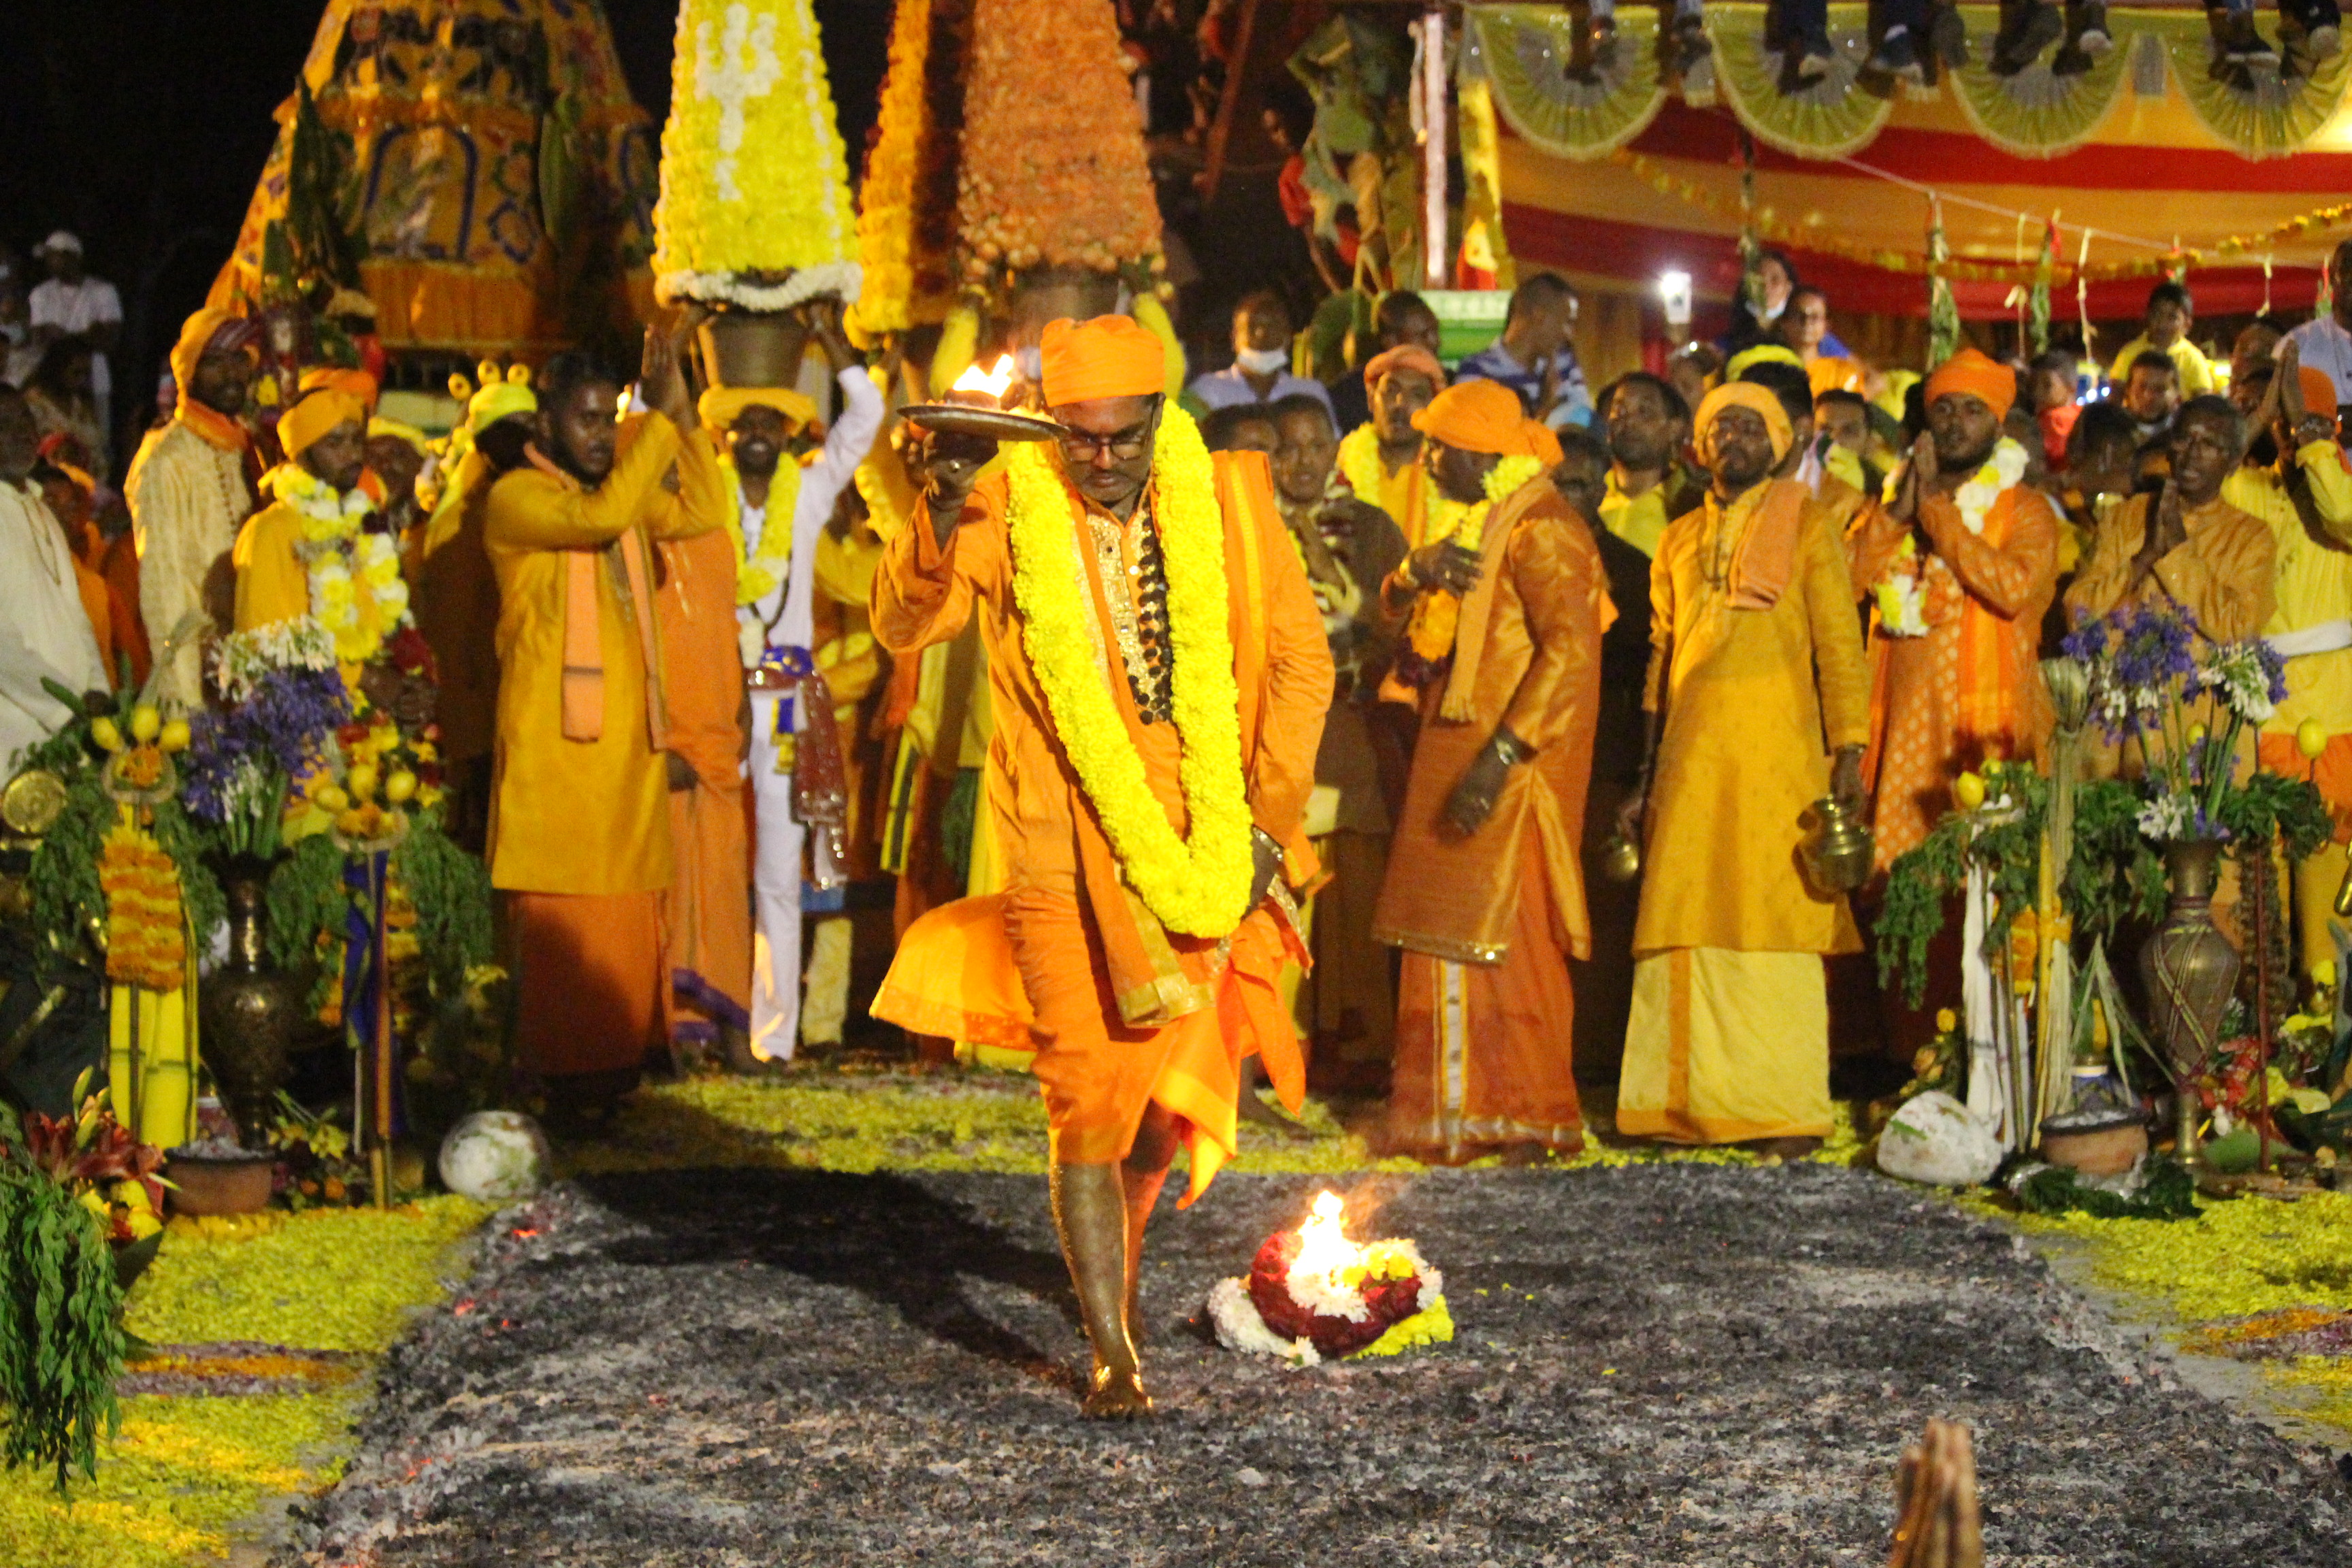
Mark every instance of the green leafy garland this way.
pixel 2168 1194
pixel 2113 874
pixel 450 890
pixel 61 1338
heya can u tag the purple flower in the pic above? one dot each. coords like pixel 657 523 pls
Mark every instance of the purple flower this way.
pixel 276 735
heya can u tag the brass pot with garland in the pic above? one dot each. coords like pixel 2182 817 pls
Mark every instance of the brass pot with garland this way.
pixel 2191 972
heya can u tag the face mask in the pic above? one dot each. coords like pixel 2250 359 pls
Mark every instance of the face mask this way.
pixel 1263 362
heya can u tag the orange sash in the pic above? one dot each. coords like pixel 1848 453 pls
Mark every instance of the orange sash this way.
pixel 583 633
pixel 1765 559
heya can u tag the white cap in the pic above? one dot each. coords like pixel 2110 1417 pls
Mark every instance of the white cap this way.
pixel 63 239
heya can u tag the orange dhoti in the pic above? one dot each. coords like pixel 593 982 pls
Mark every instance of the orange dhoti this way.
pixel 707 913
pixel 588 982
pixel 1483 1050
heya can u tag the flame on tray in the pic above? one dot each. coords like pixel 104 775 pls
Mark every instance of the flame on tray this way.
pixel 989 383
pixel 1323 1244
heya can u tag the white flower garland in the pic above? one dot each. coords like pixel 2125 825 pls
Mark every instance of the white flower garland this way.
pixel 1901 595
pixel 242 659
pixel 336 556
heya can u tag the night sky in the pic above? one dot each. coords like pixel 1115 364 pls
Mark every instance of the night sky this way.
pixel 142 125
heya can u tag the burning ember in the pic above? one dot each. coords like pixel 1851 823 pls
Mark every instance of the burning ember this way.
pixel 1312 1294
pixel 983 386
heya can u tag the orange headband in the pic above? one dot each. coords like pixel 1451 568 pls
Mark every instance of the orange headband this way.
pixel 1405 357
pixel 1758 400
pixel 1486 416
pixel 1981 377
pixel 315 413
pixel 1109 356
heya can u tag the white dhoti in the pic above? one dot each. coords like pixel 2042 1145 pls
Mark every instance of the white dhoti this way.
pixel 776 893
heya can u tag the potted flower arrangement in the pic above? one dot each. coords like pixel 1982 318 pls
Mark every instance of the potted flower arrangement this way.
pixel 2183 703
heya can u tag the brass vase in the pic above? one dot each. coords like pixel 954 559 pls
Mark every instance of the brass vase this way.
pixel 248 1009
pixel 1838 852
pixel 2191 972
pixel 752 348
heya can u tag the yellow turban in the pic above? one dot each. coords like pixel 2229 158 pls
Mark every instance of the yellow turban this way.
pixel 1760 354
pixel 358 383
pixel 314 414
pixel 1978 375
pixel 234 332
pixel 1486 416
pixel 1110 356
pixel 723 405
pixel 399 430
pixel 1746 394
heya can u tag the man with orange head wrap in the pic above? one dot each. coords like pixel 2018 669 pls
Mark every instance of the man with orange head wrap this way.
pixel 1756 667
pixel 189 490
pixel 1159 675
pixel 1958 572
pixel 1485 891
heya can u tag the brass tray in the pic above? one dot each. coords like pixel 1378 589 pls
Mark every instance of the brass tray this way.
pixel 963 419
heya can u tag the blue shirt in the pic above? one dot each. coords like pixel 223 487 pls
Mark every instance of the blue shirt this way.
pixel 1226 389
pixel 1496 362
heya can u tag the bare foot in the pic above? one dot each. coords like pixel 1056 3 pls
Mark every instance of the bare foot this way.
pixel 1117 1395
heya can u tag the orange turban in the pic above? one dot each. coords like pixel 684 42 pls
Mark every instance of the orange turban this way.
pixel 1109 356
pixel 1758 400
pixel 358 383
pixel 208 328
pixel 1486 416
pixel 1978 375
pixel 314 414
pixel 1405 357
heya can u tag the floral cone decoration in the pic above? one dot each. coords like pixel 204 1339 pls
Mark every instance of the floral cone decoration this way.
pixel 755 208
pixel 1053 173
pixel 906 222
pixel 1313 1295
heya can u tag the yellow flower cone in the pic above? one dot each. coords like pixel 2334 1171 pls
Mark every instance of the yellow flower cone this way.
pixel 907 202
pixel 755 208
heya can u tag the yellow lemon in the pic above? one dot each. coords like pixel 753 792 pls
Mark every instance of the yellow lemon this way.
pixel 1947 1020
pixel 2310 739
pixel 330 797
pixel 361 781
pixel 1992 766
pixel 175 736
pixel 2196 735
pixel 105 731
pixel 400 786
pixel 146 722
pixel 1969 791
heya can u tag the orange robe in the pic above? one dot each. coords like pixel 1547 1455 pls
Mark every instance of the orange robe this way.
pixel 578 833
pixel 1971 687
pixel 2223 572
pixel 1119 1011
pixel 706 913
pixel 1486 1013
pixel 456 609
pixel 118 564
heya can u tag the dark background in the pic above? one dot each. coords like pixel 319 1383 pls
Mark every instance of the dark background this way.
pixel 142 126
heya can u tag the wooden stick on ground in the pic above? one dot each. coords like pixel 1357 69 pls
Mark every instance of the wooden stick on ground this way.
pixel 1937 1521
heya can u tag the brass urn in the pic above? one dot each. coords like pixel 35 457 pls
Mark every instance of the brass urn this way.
pixel 1621 859
pixel 2190 970
pixel 1837 854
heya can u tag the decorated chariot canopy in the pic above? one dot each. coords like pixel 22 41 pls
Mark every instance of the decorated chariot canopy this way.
pixel 2155 156
pixel 479 165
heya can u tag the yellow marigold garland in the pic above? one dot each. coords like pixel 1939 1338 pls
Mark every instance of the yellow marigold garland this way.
pixel 1198 886
pixel 756 576
pixel 1438 613
pixel 146 943
pixel 1360 464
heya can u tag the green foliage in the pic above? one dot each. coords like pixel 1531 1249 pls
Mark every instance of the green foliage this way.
pixel 61 1342
pixel 2169 1194
pixel 307 896
pixel 451 891
pixel 2269 805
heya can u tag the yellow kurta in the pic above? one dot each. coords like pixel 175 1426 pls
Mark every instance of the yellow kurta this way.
pixel 1639 520
pixel 1728 1037
pixel 583 817
pixel 2223 571
pixel 1750 729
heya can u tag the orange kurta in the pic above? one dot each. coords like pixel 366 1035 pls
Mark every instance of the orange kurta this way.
pixel 1971 686
pixel 1087 957
pixel 706 913
pixel 2223 572
pixel 1486 1013
pixel 580 828
pixel 456 609
pixel 118 563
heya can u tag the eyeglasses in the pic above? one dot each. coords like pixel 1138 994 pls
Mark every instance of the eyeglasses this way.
pixel 1124 446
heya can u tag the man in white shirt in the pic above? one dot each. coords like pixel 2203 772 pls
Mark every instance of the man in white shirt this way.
pixel 2324 342
pixel 44 632
pixel 778 628
pixel 74 304
pixel 1260 369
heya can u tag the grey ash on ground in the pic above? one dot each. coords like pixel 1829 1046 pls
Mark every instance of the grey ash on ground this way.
pixel 1662 1364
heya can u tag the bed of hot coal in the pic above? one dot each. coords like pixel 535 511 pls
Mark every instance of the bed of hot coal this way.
pixel 1659 1365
